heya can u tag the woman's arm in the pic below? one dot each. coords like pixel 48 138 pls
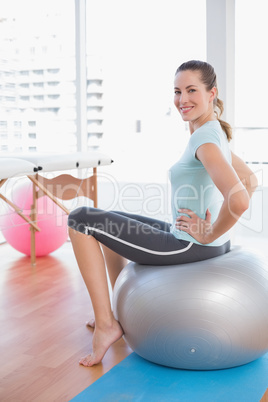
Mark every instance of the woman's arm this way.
pixel 245 174
pixel 236 195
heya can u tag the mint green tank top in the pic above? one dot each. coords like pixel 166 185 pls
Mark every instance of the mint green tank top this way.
pixel 191 185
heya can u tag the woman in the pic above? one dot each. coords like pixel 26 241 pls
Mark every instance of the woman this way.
pixel 201 219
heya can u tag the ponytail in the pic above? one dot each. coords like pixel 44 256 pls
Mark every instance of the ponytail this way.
pixel 218 112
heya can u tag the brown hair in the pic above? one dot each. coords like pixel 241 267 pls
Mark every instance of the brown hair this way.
pixel 208 77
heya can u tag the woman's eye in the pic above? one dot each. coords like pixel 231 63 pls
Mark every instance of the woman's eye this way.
pixel 177 92
pixel 192 90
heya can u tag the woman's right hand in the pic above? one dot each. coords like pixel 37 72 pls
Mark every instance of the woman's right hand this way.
pixel 200 229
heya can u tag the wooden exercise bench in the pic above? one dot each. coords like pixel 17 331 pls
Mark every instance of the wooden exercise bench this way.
pixel 61 187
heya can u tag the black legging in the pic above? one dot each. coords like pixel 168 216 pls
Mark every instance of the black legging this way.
pixel 140 239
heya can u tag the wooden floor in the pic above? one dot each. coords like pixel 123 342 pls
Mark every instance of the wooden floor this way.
pixel 43 334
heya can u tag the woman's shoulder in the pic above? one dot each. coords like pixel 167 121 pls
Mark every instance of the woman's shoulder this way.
pixel 211 131
pixel 210 127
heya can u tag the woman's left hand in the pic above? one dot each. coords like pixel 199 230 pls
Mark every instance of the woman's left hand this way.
pixel 199 229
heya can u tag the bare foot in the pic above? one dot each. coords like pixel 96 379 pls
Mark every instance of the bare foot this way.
pixel 91 323
pixel 103 338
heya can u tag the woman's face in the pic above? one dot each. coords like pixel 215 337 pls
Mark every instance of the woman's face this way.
pixel 193 101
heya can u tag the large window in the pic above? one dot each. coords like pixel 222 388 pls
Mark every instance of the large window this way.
pixel 133 50
pixel 137 46
pixel 37 75
pixel 251 63
pixel 251 117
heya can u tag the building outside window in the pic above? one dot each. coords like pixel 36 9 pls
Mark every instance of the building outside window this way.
pixel 129 78
pixel 40 65
pixel 32 64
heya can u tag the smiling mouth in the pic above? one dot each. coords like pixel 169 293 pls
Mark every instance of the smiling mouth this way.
pixel 186 109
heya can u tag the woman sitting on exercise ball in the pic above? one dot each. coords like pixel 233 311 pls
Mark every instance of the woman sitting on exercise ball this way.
pixel 201 221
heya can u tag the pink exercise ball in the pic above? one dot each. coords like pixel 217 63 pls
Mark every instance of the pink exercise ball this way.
pixel 51 220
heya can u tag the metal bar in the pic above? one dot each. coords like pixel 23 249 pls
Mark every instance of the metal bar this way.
pixel 256 163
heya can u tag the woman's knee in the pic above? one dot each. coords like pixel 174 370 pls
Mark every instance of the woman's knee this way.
pixel 81 217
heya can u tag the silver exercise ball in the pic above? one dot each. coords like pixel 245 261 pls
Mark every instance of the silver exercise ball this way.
pixel 206 315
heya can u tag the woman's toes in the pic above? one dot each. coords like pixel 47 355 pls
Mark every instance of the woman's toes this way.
pixel 85 361
pixel 89 361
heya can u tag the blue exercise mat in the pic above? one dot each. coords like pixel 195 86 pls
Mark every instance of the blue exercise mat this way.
pixel 135 379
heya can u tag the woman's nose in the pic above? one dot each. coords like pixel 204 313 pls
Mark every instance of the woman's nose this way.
pixel 183 97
